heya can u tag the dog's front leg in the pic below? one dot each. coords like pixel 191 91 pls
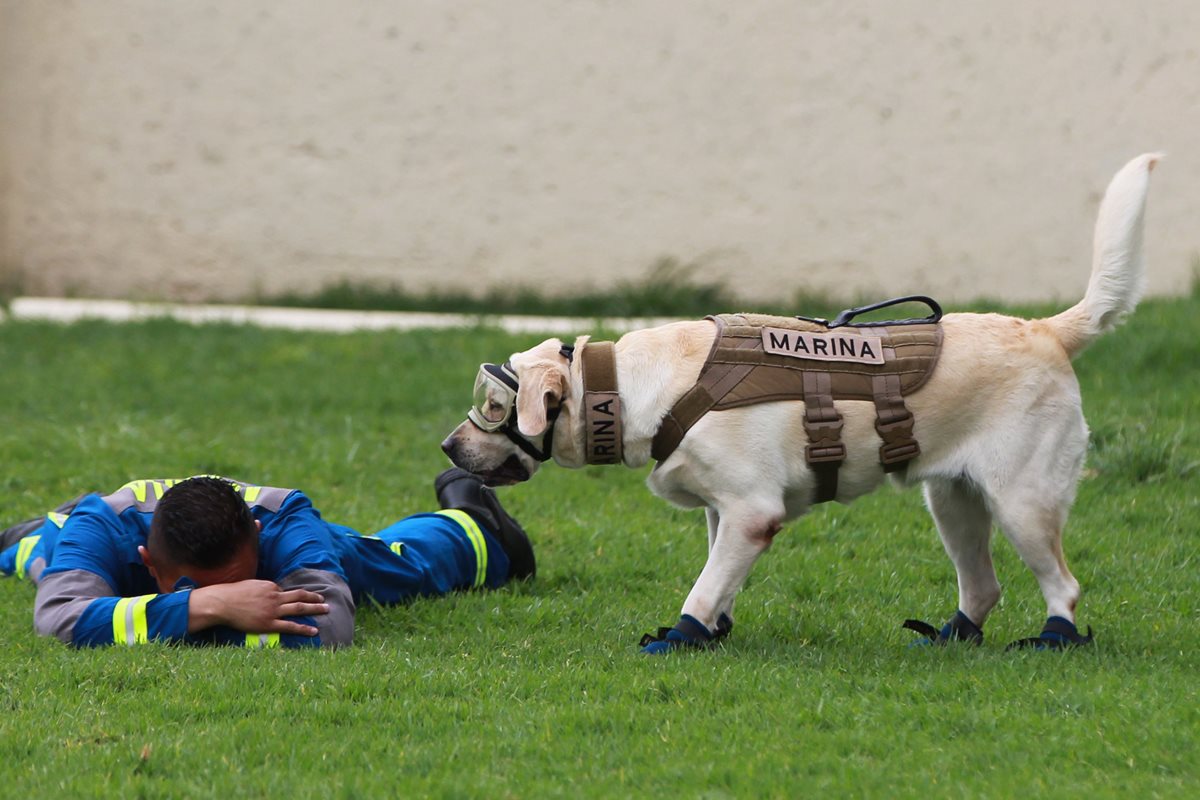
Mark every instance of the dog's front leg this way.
pixel 741 536
pixel 740 539
pixel 724 622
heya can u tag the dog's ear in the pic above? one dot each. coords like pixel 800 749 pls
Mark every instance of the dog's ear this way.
pixel 542 385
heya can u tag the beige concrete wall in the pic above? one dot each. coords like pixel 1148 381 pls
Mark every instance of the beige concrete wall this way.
pixel 188 150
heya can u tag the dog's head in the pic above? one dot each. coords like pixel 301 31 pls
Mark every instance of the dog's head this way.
pixel 509 429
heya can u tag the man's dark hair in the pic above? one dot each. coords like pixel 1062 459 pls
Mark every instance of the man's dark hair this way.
pixel 201 522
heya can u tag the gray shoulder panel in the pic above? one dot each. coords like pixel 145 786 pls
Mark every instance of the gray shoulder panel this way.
pixel 268 497
pixel 140 494
pixel 62 597
pixel 337 627
pixel 145 494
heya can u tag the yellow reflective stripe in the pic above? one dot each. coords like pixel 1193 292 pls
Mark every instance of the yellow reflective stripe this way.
pixel 475 536
pixel 257 640
pixel 252 493
pixel 120 635
pixel 141 633
pixel 57 518
pixel 138 488
pixel 397 548
pixel 24 549
pixel 129 620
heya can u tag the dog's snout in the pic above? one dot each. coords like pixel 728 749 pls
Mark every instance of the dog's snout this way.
pixel 449 445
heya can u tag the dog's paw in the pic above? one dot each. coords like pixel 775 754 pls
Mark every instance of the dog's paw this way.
pixel 1058 634
pixel 960 628
pixel 689 632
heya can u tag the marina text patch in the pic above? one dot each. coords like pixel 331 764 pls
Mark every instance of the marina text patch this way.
pixel 823 346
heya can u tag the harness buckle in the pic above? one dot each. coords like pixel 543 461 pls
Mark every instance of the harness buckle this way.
pixel 903 423
pixel 824 452
pixel 896 429
pixel 898 453
pixel 899 447
pixel 818 430
pixel 825 441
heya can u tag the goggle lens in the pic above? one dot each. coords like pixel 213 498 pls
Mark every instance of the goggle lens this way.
pixel 493 400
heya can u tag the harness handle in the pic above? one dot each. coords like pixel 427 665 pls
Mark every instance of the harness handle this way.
pixel 843 319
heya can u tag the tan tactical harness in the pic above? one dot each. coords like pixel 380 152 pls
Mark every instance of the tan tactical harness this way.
pixel 757 358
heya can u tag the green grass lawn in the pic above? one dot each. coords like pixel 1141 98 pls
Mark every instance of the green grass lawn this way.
pixel 538 690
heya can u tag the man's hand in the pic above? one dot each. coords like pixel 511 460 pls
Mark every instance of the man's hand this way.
pixel 254 607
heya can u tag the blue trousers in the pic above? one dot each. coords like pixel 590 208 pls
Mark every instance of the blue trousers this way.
pixel 422 555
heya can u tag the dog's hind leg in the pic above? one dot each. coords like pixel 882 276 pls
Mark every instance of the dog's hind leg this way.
pixel 1030 487
pixel 1033 517
pixel 1033 523
pixel 965 525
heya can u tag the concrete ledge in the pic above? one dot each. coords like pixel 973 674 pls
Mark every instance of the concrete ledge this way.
pixel 55 309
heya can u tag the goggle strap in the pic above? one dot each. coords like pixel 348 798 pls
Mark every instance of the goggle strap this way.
pixel 520 441
pixel 527 446
pixel 503 373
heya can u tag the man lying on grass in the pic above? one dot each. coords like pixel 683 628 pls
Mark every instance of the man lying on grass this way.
pixel 212 560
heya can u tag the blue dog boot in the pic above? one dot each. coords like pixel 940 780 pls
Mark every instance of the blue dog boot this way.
pixel 1058 634
pixel 689 632
pixel 960 628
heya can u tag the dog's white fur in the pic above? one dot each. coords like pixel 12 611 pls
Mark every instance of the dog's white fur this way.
pixel 1000 425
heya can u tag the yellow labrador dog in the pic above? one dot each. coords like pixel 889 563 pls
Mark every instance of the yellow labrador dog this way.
pixel 1001 432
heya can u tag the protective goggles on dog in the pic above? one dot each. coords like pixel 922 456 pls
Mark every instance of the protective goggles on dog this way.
pixel 494 398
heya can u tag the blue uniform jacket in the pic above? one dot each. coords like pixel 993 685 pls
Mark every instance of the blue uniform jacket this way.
pixel 94 589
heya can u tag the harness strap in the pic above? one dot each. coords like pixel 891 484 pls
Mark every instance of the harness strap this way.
pixel 823 424
pixel 894 423
pixel 714 383
pixel 601 404
pixel 675 425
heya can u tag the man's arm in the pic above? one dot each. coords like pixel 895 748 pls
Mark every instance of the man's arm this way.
pixel 255 606
pixel 80 608
pixel 336 626
pixel 298 551
pixel 62 598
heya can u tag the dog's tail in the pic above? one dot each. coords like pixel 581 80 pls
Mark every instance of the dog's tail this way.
pixel 1118 271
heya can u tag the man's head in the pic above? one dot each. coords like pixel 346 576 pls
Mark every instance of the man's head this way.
pixel 201 529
